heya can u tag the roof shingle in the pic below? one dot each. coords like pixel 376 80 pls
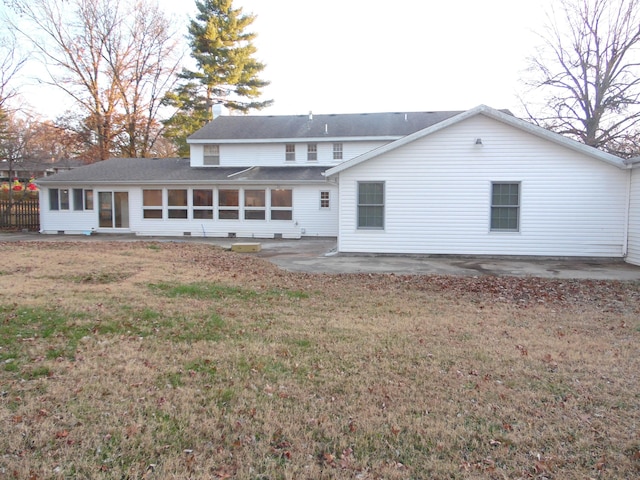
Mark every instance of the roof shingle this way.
pixel 255 127
pixel 178 170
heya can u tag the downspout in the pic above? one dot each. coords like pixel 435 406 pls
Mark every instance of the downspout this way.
pixel 625 243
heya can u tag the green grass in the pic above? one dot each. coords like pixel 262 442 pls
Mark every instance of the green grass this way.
pixel 213 291
pixel 214 365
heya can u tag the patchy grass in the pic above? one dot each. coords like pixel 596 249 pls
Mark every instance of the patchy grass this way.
pixel 185 361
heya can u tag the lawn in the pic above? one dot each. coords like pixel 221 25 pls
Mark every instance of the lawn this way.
pixel 161 360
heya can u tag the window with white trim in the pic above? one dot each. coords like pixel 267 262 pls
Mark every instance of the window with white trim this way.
pixel 202 201
pixel 228 204
pixel 371 205
pixel 337 151
pixel 281 204
pixel 505 207
pixel 211 155
pixel 82 199
pixel 312 152
pixel 254 205
pixel 290 152
pixel 58 199
pixel 152 204
pixel 325 199
pixel 177 202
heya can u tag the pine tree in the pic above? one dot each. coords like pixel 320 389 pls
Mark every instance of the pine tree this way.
pixel 227 72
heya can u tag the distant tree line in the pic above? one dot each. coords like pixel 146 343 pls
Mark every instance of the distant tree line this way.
pixel 120 65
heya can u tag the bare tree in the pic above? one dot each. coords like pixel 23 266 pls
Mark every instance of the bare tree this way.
pixel 143 54
pixel 113 58
pixel 10 64
pixel 588 69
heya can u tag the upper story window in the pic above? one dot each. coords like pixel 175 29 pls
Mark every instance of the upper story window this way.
pixel 290 152
pixel 505 207
pixel 337 151
pixel 312 152
pixel 211 155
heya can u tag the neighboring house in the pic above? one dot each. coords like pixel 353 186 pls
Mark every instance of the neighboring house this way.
pixel 479 182
pixel 27 169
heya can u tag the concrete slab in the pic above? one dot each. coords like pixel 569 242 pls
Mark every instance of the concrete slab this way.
pixel 318 255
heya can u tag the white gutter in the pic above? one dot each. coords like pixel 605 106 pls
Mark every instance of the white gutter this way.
pixel 241 171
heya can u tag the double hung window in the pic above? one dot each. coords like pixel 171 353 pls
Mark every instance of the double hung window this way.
pixel 371 205
pixel 505 207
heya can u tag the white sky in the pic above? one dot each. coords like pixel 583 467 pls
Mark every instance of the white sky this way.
pixel 352 56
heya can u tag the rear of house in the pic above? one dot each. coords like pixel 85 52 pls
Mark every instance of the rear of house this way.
pixel 166 197
pixel 480 182
pixel 484 185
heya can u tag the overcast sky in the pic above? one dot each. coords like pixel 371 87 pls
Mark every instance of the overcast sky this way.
pixel 340 56
pixel 352 56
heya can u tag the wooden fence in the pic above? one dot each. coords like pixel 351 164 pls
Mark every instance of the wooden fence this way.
pixel 24 214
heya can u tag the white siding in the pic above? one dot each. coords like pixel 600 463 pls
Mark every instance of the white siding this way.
pixel 68 221
pixel 633 252
pixel 273 154
pixel 308 218
pixel 438 193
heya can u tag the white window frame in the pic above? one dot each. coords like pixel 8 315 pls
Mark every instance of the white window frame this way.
pixel 312 152
pixel 511 207
pixel 209 209
pixel 280 208
pixel 57 200
pixel 337 151
pixel 325 199
pixel 153 207
pixel 360 205
pixel 211 155
pixel 290 152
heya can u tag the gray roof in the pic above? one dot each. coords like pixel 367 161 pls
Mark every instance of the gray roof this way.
pixel 255 127
pixel 178 171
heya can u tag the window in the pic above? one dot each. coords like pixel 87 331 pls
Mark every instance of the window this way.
pixel 281 204
pixel 312 152
pixel 324 200
pixel 337 151
pixel 88 199
pixel 54 203
pixel 211 155
pixel 290 152
pixel 228 201
pixel 58 199
pixel 113 209
pixel 177 201
pixel 152 204
pixel 505 207
pixel 371 205
pixel 78 199
pixel 254 203
pixel 202 204
pixel 82 199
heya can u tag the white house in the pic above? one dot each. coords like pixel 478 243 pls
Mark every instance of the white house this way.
pixel 479 182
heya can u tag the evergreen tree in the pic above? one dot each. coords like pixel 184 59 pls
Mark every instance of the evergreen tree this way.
pixel 227 72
